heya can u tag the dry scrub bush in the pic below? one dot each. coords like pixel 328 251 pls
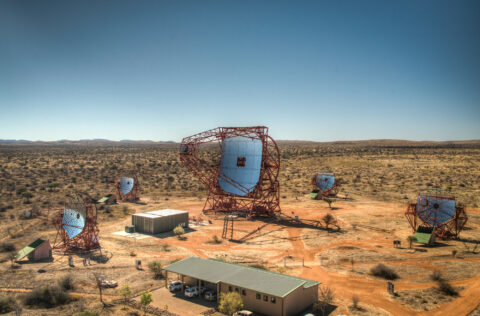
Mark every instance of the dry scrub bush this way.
pixel 86 313
pixel 216 240
pixel 7 304
pixel 47 297
pixel 382 271
pixel 355 301
pixel 156 268
pixel 443 285
pixel 7 247
pixel 446 288
pixel 325 299
pixel 66 283
pixel 436 276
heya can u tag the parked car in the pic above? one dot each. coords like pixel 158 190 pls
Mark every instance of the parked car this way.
pixel 211 295
pixel 192 292
pixel 244 313
pixel 175 286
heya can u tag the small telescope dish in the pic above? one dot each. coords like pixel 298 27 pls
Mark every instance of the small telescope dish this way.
pixel 127 189
pixel 324 185
pixel 73 222
pixel 126 185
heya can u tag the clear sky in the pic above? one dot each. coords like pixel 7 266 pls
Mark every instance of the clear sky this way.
pixel 310 70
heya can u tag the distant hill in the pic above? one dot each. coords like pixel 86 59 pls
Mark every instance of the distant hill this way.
pixel 96 140
pixel 359 143
pixel 386 143
pixel 15 141
pixel 84 142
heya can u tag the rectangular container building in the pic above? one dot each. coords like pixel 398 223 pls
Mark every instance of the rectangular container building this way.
pixel 156 222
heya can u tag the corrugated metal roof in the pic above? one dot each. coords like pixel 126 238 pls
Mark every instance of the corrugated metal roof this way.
pixel 259 280
pixel 28 249
pixel 149 215
pixel 167 212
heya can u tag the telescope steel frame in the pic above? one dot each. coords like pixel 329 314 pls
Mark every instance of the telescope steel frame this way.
pixel 263 200
pixel 446 229
pixel 331 192
pixel 87 240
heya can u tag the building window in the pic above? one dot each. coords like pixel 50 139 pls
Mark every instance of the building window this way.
pixel 265 298
pixel 241 161
pixel 258 296
pixel 236 289
pixel 244 292
pixel 273 300
pixel 229 288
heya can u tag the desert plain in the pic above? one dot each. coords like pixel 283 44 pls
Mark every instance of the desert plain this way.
pixel 378 178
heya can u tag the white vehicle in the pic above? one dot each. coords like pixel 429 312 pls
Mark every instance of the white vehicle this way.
pixel 244 313
pixel 192 292
pixel 109 283
pixel 175 286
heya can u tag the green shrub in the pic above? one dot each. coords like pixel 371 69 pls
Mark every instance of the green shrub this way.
pixel 145 300
pixel 381 270
pixel 27 195
pixel 230 303
pixel 179 231
pixel 126 293
pixel 411 240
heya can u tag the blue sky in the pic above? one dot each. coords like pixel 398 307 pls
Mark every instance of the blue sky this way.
pixel 310 70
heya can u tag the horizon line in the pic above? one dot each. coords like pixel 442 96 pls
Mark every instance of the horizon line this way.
pixel 176 142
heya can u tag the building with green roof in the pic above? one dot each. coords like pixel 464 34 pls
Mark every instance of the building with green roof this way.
pixel 425 235
pixel 38 250
pixel 108 199
pixel 262 291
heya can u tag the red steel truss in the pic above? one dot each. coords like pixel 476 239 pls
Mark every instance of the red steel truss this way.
pixel 444 229
pixel 264 200
pixel 87 240
pixel 131 196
